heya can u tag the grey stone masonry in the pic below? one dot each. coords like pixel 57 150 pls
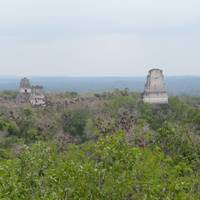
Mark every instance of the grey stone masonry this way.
pixel 37 97
pixel 30 94
pixel 155 91
pixel 24 91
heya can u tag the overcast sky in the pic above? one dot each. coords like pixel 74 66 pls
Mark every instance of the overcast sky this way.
pixel 99 37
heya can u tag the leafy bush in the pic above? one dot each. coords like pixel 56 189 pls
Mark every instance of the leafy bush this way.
pixel 108 169
pixel 9 126
pixel 74 121
pixel 161 160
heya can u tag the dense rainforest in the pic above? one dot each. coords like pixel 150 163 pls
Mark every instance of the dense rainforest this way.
pixel 107 146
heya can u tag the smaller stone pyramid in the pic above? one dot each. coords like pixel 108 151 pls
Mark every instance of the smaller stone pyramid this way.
pixel 24 91
pixel 34 95
pixel 155 91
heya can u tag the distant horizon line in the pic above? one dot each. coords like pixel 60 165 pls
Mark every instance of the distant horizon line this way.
pixel 89 76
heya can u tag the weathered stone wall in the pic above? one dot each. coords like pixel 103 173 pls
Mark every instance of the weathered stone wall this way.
pixel 155 91
pixel 25 90
pixel 27 94
pixel 38 97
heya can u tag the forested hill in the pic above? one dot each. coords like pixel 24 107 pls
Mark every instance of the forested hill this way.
pixel 107 146
pixel 177 85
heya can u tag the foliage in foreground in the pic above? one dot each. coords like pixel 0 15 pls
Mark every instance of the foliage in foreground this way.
pixel 161 161
pixel 108 169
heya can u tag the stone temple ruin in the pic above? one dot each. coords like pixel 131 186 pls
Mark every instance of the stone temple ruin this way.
pixel 30 94
pixel 155 91
pixel 24 91
pixel 37 97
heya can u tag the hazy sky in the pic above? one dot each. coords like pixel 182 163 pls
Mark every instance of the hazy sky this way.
pixel 99 37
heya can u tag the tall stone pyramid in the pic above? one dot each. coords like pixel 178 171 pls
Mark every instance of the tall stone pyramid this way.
pixel 155 91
